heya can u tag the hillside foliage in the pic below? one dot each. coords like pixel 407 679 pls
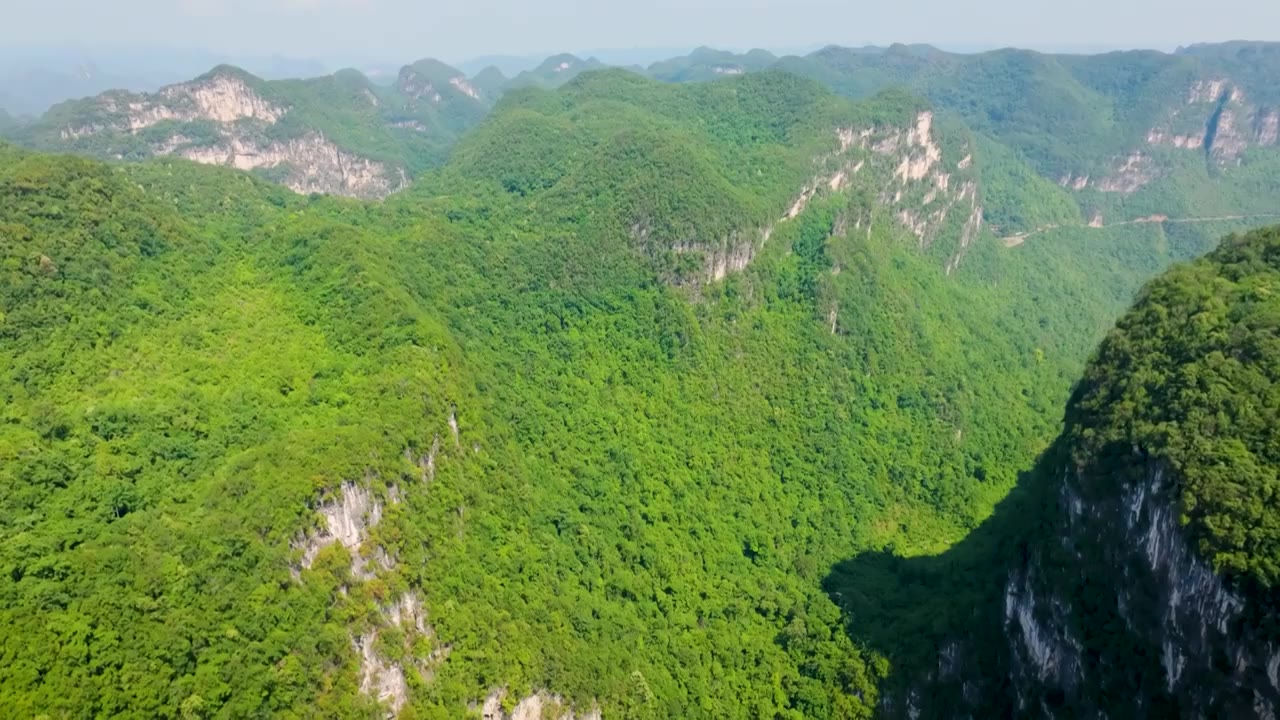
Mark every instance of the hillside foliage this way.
pixel 1189 377
pixel 638 484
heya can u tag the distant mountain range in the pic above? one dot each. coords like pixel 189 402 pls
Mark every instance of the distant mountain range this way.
pixel 1125 134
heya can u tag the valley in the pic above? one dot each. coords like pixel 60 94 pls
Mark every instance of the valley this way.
pixel 732 387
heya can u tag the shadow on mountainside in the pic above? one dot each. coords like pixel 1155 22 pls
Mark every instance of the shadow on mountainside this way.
pixel 944 614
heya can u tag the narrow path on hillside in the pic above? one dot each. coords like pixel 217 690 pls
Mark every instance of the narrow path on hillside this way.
pixel 1019 238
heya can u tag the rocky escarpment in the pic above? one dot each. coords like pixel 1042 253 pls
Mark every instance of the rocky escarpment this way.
pixel 222 98
pixel 1214 118
pixel 429 81
pixel 1219 120
pixel 1132 573
pixel 934 200
pixel 1111 614
pixel 313 164
pixel 348 518
pixel 225 119
pixel 914 187
pixel 540 705
pixel 1203 653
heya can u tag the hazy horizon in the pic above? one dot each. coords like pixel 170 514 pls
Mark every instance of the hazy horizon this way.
pixel 354 32
pixel 638 54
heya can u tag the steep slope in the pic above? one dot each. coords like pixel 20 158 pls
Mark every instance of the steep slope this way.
pixel 338 134
pixel 1137 572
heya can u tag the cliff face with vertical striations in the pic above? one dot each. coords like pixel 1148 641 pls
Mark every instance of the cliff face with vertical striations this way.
pixel 1142 583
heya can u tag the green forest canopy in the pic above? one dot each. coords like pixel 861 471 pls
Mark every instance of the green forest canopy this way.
pixel 1190 377
pixel 647 483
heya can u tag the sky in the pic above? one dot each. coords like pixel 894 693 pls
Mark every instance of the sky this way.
pixel 339 31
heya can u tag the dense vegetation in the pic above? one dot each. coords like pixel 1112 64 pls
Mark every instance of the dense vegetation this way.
pixel 641 482
pixel 1189 376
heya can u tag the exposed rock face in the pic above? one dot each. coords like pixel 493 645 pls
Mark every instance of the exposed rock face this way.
pixel 426 462
pixel 1215 118
pixel 347 520
pixel 416 86
pixel 314 164
pixel 1073 181
pixel 465 87
pixel 1206 91
pixel 919 190
pixel 1178 642
pixel 1160 137
pixel 384 679
pixel 311 163
pixel 1218 119
pixel 222 98
pixel 947 192
pixel 379 679
pixel 1131 173
pixel 414 125
pixel 730 255
pixel 538 706
pixel 1267 127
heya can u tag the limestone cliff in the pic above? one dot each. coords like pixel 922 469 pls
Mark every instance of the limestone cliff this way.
pixel 313 164
pixel 1149 631
pixel 1214 118
pixel 935 200
pixel 1219 119
pixel 337 134
pixel 229 118
pixel 1130 575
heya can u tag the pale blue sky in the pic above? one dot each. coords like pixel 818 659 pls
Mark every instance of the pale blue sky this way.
pixel 347 30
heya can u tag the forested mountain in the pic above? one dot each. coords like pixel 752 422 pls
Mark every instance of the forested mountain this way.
pixel 651 400
pixel 1129 135
pixel 1134 573
pixel 338 134
pixel 491 82
pixel 582 418
pixel 555 71
pixel 708 64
